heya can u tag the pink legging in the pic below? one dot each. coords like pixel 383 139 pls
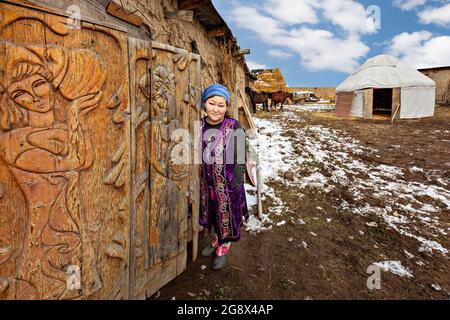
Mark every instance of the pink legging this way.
pixel 221 249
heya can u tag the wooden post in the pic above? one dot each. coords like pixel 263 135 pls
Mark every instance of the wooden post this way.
pixel 396 92
pixel 368 104
pixel 395 113
pixel 121 13
pixel 241 52
pixel 258 173
pixel 216 32
pixel 258 187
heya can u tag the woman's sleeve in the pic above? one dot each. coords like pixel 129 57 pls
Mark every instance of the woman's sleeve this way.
pixel 239 168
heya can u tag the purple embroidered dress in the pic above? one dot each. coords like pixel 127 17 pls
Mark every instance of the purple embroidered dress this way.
pixel 222 204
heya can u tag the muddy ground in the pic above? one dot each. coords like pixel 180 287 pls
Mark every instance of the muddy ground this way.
pixel 326 256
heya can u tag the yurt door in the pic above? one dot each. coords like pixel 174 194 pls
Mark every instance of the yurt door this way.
pixel 64 158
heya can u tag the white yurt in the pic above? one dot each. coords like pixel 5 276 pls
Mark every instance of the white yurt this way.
pixel 386 85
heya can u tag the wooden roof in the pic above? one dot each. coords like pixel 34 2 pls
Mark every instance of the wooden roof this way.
pixel 207 15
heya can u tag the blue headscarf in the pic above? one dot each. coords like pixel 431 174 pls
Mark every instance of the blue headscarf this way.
pixel 215 90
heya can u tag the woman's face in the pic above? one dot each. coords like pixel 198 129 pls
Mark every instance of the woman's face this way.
pixel 216 107
pixel 32 93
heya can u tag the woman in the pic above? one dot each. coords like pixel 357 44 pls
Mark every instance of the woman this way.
pixel 223 202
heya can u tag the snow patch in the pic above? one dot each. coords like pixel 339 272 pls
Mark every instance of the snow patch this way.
pixel 394 267
pixel 254 225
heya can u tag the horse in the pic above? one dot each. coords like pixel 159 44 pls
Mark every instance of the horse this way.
pixel 280 97
pixel 258 97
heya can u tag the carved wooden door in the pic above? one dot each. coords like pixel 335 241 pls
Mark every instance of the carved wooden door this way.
pixel 64 158
pixel 165 88
pixel 91 205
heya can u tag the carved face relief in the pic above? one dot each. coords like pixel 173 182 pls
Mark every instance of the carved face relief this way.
pixel 33 93
pixel 164 91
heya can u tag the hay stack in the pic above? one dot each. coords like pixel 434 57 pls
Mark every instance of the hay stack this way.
pixel 269 80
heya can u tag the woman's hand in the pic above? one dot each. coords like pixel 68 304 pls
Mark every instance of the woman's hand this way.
pixel 86 103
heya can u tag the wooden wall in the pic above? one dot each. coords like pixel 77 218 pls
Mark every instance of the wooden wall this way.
pixel 442 78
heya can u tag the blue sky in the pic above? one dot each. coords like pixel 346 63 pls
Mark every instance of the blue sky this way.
pixel 320 42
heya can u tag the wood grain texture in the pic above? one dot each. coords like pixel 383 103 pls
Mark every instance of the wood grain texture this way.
pixel 174 105
pixel 92 11
pixel 123 14
pixel 140 58
pixel 86 177
pixel 54 160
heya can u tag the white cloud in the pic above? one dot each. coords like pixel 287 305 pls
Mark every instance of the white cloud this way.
pixel 292 11
pixel 439 16
pixel 249 18
pixel 321 50
pixel 280 54
pixel 421 49
pixel 350 15
pixel 407 5
pixel 252 65
pixel 318 49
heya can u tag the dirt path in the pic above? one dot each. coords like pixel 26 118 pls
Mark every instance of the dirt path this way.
pixel 350 194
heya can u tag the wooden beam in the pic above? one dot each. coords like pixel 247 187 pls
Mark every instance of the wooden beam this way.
pixel 241 52
pixel 185 15
pixel 123 14
pixel 189 4
pixel 216 32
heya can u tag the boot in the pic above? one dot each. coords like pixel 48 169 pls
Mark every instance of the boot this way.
pixel 219 262
pixel 208 251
